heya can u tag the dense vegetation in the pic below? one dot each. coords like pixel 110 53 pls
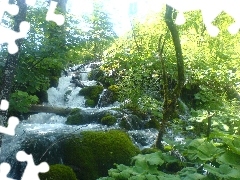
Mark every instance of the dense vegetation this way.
pixel 207 110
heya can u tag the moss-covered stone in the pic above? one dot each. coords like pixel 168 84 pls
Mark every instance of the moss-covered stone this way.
pixel 91 93
pixel 76 117
pixel 59 172
pixel 93 153
pixel 108 120
pixel 131 122
pixel 66 94
pixel 90 103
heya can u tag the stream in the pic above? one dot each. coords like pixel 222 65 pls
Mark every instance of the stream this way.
pixel 47 129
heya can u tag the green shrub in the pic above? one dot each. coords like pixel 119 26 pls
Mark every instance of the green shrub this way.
pixel 59 172
pixel 93 153
pixel 21 101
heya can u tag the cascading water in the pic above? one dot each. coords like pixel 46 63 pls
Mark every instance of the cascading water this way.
pixel 48 129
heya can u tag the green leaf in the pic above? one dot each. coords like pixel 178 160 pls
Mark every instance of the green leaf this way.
pixel 154 158
pixel 230 158
pixel 224 171
pixel 207 151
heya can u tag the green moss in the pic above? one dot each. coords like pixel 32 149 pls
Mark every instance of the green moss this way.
pixel 108 120
pixel 91 93
pixel 76 117
pixel 59 172
pixel 90 103
pixel 93 153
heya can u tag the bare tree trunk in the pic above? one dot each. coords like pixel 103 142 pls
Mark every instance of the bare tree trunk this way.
pixel 170 98
pixel 12 61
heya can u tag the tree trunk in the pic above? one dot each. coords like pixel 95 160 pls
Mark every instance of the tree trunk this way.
pixel 12 61
pixel 50 109
pixel 171 97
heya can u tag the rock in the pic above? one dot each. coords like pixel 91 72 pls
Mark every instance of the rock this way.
pixel 76 117
pixel 59 172
pixel 91 93
pixel 42 96
pixel 94 153
pixel 131 122
pixel 108 120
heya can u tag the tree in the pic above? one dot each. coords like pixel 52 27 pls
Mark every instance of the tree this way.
pixel 100 34
pixel 12 61
pixel 171 98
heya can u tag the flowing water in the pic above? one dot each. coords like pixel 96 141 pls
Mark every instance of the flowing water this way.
pixel 49 128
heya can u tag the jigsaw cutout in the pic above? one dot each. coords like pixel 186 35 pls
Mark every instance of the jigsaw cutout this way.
pixel 51 16
pixel 12 9
pixel 31 171
pixel 4 170
pixel 4 105
pixel 210 10
pixel 12 124
pixel 9 36
pixel 30 2
pixel 12 121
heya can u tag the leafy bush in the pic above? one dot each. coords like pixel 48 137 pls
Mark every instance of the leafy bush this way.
pixel 21 101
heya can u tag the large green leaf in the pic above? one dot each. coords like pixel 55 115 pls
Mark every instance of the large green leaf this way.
pixel 230 158
pixel 224 171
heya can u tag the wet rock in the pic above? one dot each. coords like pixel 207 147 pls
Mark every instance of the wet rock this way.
pixel 131 122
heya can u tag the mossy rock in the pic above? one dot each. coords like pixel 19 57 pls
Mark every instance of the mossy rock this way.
pixel 91 93
pixel 131 122
pixel 90 103
pixel 66 94
pixel 58 172
pixel 108 120
pixel 76 117
pixel 93 153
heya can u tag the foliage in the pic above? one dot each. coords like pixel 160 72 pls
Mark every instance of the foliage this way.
pixel 21 101
pixel 59 172
pixel 100 33
pixel 94 152
pixel 212 159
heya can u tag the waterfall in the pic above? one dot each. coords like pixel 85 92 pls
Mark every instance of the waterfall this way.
pixel 47 129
